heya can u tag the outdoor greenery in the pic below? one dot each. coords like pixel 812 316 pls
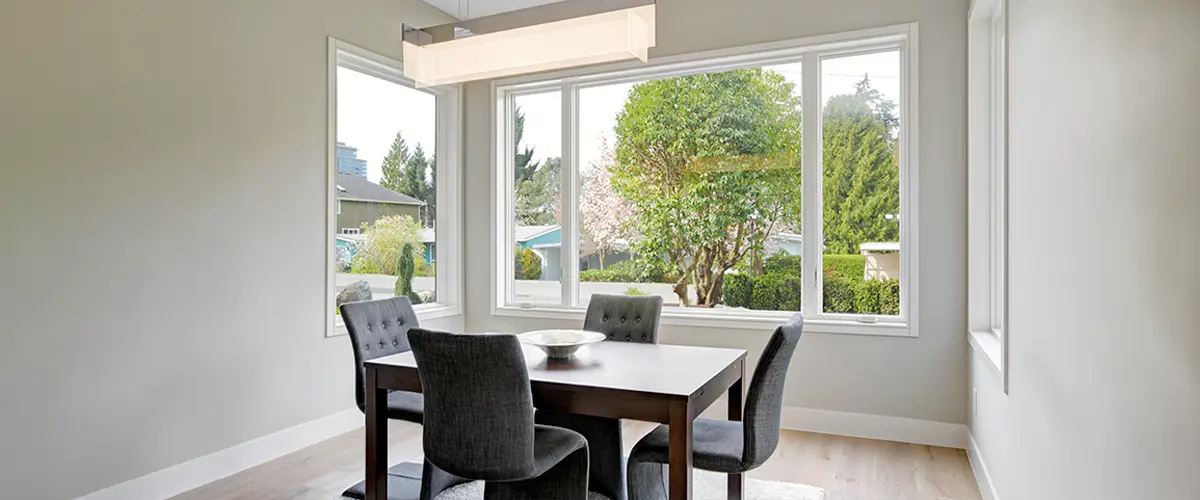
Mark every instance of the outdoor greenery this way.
pixel 405 267
pixel 710 164
pixel 535 183
pixel 380 250
pixel 629 271
pixel 845 289
pixel 413 174
pixel 528 264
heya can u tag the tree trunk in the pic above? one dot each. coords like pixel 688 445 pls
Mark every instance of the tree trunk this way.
pixel 681 290
pixel 602 254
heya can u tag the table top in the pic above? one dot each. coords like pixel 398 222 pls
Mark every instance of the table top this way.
pixel 653 369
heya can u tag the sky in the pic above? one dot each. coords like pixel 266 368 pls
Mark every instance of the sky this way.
pixel 599 106
pixel 370 111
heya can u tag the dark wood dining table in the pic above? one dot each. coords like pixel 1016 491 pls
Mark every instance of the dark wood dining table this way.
pixel 668 384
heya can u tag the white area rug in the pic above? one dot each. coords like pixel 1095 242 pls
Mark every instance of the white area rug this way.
pixel 708 486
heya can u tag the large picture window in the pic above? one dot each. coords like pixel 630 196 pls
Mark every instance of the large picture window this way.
pixel 391 150
pixel 744 187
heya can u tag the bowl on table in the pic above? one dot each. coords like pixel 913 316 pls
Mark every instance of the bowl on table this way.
pixel 560 344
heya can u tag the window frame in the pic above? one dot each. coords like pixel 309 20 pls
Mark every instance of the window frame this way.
pixel 988 230
pixel 447 148
pixel 808 51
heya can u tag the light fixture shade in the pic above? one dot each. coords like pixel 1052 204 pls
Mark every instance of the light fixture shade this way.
pixel 612 36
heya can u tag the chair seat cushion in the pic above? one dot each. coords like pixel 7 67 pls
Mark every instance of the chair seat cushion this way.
pixel 716 446
pixel 407 406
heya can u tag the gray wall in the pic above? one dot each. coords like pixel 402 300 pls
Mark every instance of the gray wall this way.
pixel 1104 396
pixel 921 378
pixel 134 339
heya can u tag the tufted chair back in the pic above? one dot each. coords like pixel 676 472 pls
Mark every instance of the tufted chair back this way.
pixel 624 318
pixel 478 404
pixel 377 328
pixel 764 400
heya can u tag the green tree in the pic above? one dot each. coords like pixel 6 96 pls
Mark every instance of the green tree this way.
pixel 861 179
pixel 394 164
pixel 711 165
pixel 430 194
pixel 523 164
pixel 413 180
pixel 528 266
pixel 537 197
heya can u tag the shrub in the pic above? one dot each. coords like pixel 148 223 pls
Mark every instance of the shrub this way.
pixel 739 288
pixel 628 271
pixel 529 265
pixel 845 266
pixel 383 240
pixel 838 294
pixel 889 301
pixel 635 292
pixel 405 267
pixel 783 264
pixel 776 292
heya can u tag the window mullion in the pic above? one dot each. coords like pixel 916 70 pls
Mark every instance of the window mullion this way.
pixel 569 199
pixel 811 185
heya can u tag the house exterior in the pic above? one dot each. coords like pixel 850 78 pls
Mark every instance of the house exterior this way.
pixel 362 202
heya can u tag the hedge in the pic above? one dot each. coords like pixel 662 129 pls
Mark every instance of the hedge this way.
pixel 847 266
pixel 627 271
pixel 781 292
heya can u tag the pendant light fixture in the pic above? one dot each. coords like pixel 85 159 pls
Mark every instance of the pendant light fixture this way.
pixel 552 36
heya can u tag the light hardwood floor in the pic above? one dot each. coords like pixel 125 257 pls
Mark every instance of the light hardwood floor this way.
pixel 847 468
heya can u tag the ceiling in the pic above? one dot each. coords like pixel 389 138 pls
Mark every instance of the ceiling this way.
pixel 471 9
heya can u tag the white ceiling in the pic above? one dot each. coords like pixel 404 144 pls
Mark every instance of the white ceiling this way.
pixel 471 9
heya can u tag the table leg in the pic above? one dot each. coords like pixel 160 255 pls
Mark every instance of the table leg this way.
pixel 377 431
pixel 735 415
pixel 680 484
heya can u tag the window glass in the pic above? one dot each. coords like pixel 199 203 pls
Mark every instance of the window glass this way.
pixel 386 189
pixel 536 123
pixel 860 190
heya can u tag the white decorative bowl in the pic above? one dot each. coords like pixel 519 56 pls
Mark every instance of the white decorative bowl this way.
pixel 560 344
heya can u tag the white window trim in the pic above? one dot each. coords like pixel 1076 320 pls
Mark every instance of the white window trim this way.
pixel 809 50
pixel 988 184
pixel 448 151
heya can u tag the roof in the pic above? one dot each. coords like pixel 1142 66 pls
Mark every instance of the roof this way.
pixel 526 233
pixel 355 188
pixel 884 246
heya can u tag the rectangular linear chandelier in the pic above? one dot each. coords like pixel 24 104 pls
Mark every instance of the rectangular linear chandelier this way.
pixel 491 47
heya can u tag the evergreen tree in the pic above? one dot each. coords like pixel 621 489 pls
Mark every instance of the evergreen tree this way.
pixel 430 197
pixel 861 170
pixel 413 181
pixel 393 164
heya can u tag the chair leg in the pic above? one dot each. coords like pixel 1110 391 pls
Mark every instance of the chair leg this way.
pixel 647 480
pixel 434 481
pixel 567 480
pixel 607 473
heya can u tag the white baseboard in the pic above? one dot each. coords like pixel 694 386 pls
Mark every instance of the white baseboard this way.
pixel 979 467
pixel 861 425
pixel 194 473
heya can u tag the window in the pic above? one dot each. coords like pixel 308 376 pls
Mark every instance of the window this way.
pixel 988 183
pixel 392 155
pixel 739 187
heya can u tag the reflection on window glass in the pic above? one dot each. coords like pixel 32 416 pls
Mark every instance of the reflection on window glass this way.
pixel 386 190
pixel 690 189
pixel 537 254
pixel 861 183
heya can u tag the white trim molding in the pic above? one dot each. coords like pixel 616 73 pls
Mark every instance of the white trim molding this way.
pixel 862 425
pixel 978 467
pixel 197 472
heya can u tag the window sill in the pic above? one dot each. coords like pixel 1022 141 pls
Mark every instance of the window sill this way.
pixel 988 344
pixel 425 312
pixel 730 319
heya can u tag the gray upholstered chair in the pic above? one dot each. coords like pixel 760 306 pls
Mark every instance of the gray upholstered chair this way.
pixel 721 445
pixel 620 318
pixel 479 419
pixel 380 328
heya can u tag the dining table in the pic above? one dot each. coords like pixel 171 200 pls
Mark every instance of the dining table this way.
pixel 669 384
